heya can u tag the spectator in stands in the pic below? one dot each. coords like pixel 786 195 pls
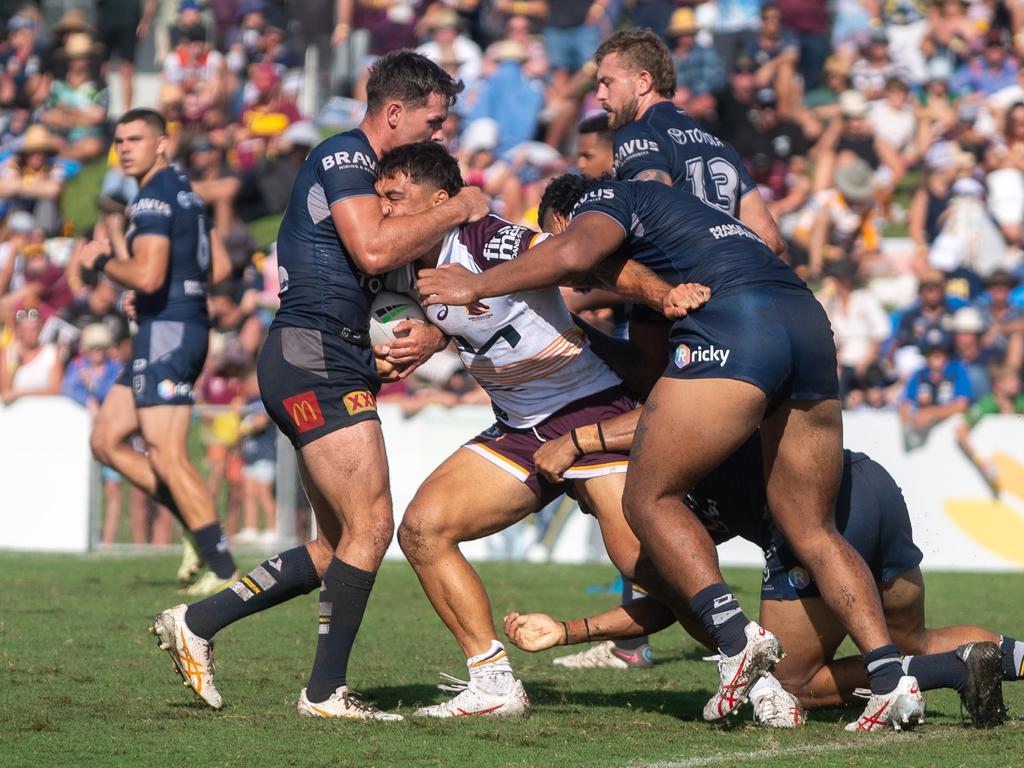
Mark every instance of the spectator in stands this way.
pixel 838 223
pixel 190 17
pixel 245 40
pixel 1005 398
pixel 73 21
pixel 775 52
pixel 932 197
pixel 967 327
pixel 218 391
pixel 510 84
pixel 92 373
pixel 263 119
pixel 951 33
pixel 122 23
pixel 808 20
pixel 735 104
pixel 265 189
pixel 989 71
pixel 782 174
pixel 1004 321
pixel 77 108
pixel 906 23
pixel 859 323
pixel 390 24
pixel 97 306
pixel 875 66
pixel 21 75
pixel 31 182
pixel 699 73
pixel 931 309
pixel 442 24
pixel 27 366
pixel 571 34
pixel 969 244
pixel 43 284
pixel 736 29
pixel 259 457
pixel 198 70
pixel 894 120
pixel 18 230
pixel 940 389
pixel 1006 179
pixel 937 114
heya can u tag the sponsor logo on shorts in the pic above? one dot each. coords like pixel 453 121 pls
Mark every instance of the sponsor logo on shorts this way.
pixel 139 365
pixel 359 402
pixel 304 410
pixel 799 578
pixel 168 390
pixel 684 355
pixel 138 384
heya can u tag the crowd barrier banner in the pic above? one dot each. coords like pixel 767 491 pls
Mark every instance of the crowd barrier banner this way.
pixel 45 468
pixel 958 522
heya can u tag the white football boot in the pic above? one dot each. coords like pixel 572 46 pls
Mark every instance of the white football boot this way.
pixel 192 656
pixel 471 699
pixel 739 673
pixel 209 584
pixel 600 655
pixel 902 708
pixel 774 706
pixel 343 703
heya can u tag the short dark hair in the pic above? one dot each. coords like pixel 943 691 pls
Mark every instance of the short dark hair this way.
pixel 410 78
pixel 423 162
pixel 150 117
pixel 643 50
pixel 598 124
pixel 562 193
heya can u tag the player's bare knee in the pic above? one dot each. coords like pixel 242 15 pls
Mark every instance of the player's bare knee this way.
pixel 100 444
pixel 415 538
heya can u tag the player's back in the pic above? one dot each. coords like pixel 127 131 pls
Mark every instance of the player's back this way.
pixel 667 139
pixel 524 349
pixel 672 232
pixel 167 207
pixel 320 283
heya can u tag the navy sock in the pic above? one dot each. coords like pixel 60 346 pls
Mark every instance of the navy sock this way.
pixel 162 494
pixel 883 668
pixel 343 597
pixel 937 670
pixel 1013 658
pixel 213 548
pixel 722 616
pixel 631 592
pixel 270 583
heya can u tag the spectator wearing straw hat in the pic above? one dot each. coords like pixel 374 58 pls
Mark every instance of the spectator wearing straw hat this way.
pixel 31 182
pixel 940 389
pixel 510 84
pixel 699 72
pixel 1003 319
pixel 967 328
pixel 77 108
pixel 929 311
pixel 93 372
pixel 442 24
pixel 73 21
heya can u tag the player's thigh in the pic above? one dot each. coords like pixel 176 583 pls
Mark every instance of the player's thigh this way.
pixel 903 605
pixel 465 498
pixel 809 633
pixel 165 430
pixel 117 417
pixel 802 444
pixel 603 498
pixel 687 428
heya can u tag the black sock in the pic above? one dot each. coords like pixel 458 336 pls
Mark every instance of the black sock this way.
pixel 883 668
pixel 162 494
pixel 213 548
pixel 343 599
pixel 270 583
pixel 630 593
pixel 1013 658
pixel 937 670
pixel 722 617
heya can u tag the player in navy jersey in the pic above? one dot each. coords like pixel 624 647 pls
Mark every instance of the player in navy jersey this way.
pixel 166 257
pixel 872 515
pixel 318 380
pixel 636 80
pixel 759 352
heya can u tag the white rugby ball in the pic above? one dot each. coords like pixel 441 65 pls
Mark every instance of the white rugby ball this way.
pixel 387 311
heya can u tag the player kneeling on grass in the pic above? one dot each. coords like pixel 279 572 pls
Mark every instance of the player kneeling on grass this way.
pixel 544 380
pixel 872 516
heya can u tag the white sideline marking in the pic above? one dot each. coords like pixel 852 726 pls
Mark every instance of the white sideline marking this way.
pixel 768 752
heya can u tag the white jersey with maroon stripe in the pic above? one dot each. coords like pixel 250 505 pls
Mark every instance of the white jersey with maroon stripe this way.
pixel 523 348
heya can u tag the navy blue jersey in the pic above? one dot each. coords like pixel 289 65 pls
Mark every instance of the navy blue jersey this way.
pixel 672 232
pixel 732 500
pixel 667 139
pixel 320 284
pixel 167 206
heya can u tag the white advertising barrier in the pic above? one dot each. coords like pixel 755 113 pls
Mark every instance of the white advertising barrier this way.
pixel 957 522
pixel 44 475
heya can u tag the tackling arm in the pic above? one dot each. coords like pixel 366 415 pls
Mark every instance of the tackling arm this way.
pixel 538 631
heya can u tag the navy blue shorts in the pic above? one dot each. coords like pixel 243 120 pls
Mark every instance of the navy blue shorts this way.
pixel 167 358
pixel 776 338
pixel 872 515
pixel 313 383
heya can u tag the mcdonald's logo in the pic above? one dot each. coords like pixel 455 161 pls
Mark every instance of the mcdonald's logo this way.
pixel 305 411
pixel 357 402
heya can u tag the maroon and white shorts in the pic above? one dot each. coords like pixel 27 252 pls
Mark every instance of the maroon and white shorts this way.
pixel 512 449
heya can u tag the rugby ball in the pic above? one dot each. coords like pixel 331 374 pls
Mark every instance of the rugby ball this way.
pixel 387 311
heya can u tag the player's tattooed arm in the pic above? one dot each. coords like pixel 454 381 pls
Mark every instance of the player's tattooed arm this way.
pixel 633 281
pixel 614 434
pixel 653 174
pixel 538 631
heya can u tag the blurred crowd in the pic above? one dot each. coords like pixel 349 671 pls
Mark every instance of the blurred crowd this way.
pixel 887 137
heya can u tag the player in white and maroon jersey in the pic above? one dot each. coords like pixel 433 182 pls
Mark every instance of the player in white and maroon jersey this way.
pixel 544 381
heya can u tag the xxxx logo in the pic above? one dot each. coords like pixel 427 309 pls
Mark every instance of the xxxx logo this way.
pixel 358 402
pixel 304 410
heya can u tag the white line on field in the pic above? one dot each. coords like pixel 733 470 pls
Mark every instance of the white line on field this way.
pixel 761 754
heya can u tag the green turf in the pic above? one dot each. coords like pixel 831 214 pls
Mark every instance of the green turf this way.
pixel 82 683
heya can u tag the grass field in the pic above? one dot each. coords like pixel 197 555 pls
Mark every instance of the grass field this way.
pixel 83 683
